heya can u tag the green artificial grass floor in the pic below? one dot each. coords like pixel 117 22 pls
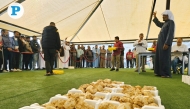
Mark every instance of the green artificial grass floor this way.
pixel 18 89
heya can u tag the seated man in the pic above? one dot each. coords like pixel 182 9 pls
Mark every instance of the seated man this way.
pixel 177 54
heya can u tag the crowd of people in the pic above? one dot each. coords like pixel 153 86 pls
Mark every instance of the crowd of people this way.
pixel 18 52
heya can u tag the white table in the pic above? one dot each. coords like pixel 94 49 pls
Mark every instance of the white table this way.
pixel 141 54
pixel 188 72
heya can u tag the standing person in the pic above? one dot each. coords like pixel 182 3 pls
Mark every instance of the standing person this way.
pixel 36 50
pixel 66 55
pixel 122 58
pixel 129 58
pixel 73 55
pixel 79 56
pixel 96 53
pixel 102 57
pixel 50 45
pixel 89 56
pixel 8 48
pixel 116 54
pixel 163 49
pixel 61 56
pixel 154 51
pixel 109 57
pixel 83 59
pixel 27 54
pixel 1 53
pixel 31 54
pixel 16 52
pixel 134 57
pixel 21 49
pixel 140 46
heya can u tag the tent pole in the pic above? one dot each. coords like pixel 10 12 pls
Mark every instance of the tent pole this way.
pixel 167 4
pixel 150 20
pixel 86 20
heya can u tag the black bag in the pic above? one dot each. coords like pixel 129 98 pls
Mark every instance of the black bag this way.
pixel 62 52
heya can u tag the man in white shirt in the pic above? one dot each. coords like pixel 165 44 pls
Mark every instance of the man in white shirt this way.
pixel 140 46
pixel 177 55
pixel 79 56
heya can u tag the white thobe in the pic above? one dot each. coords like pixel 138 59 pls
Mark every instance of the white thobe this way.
pixel 66 56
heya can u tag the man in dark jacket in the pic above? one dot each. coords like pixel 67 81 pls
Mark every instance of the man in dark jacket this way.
pixel 50 45
pixel 36 49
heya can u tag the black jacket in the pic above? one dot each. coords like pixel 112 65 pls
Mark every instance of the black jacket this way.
pixel 50 38
pixel 21 45
pixel 35 46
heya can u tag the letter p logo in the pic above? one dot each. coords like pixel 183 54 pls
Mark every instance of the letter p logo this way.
pixel 15 10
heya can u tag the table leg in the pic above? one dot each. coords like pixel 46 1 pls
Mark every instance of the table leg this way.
pixel 183 64
pixel 139 61
pixel 188 64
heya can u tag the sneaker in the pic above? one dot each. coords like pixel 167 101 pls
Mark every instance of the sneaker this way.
pixel 112 69
pixel 14 70
pixel 18 70
pixel 5 71
pixel 117 70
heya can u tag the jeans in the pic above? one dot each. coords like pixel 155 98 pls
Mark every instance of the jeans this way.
pixel 35 60
pixel 15 60
pixel 78 64
pixel 21 61
pixel 7 56
pixel 129 62
pixel 26 61
pixel 175 61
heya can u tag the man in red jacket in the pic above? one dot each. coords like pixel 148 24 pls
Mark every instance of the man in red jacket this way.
pixel 129 57
pixel 116 54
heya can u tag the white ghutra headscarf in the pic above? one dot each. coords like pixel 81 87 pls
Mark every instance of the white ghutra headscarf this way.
pixel 170 16
pixel 169 13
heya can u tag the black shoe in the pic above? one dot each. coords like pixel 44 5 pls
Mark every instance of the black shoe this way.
pixel 117 70
pixel 112 69
pixel 143 70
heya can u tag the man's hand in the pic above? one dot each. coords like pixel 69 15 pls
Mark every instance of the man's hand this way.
pixel 10 49
pixel 165 47
pixel 176 51
pixel 154 14
pixel 16 49
pixel 57 51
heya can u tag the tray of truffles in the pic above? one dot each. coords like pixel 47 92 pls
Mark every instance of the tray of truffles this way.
pixel 105 94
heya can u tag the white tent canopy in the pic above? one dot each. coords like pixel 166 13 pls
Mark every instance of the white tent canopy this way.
pixel 123 18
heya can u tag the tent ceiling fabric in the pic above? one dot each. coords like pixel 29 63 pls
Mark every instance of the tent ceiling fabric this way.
pixel 39 13
pixel 4 3
pixel 123 18
pixel 13 28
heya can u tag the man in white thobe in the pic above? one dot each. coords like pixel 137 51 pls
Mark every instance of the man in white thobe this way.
pixel 66 55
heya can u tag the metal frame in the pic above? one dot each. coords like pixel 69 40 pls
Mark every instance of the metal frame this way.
pixel 167 4
pixel 87 19
pixel 150 20
pixel 19 27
